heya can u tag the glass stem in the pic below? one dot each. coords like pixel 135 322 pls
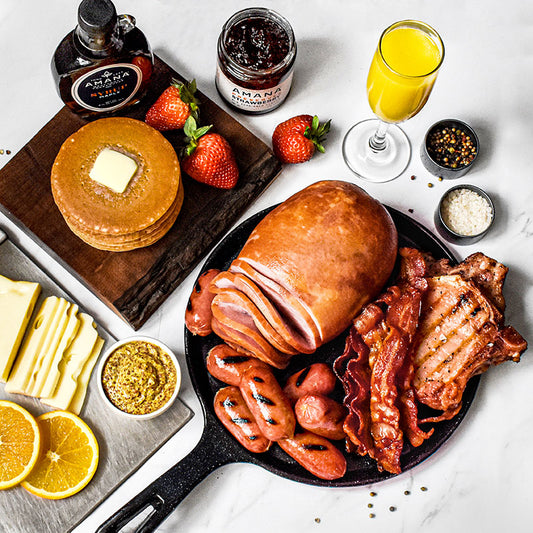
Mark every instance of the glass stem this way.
pixel 378 142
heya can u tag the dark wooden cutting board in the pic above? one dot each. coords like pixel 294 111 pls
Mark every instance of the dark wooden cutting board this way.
pixel 135 283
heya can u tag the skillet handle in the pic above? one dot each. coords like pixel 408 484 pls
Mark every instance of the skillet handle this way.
pixel 166 492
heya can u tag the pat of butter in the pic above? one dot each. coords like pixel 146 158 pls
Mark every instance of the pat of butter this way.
pixel 113 169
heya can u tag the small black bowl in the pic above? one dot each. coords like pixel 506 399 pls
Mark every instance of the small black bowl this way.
pixel 436 168
pixel 451 235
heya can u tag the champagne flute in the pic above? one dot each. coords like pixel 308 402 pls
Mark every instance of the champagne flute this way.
pixel 401 76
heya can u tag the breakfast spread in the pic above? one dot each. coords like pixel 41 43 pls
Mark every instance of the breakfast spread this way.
pixel 323 264
pixel 117 184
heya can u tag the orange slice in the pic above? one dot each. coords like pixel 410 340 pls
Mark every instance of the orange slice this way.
pixel 68 459
pixel 19 443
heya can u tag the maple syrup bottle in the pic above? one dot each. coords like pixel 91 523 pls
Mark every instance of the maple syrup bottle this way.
pixel 104 64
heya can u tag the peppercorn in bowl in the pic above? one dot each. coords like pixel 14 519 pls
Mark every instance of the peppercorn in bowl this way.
pixel 449 149
pixel 139 377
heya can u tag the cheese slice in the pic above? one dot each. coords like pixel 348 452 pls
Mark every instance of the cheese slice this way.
pixel 17 301
pixel 113 169
pixel 40 328
pixel 53 338
pixel 46 382
pixel 83 380
pixel 76 367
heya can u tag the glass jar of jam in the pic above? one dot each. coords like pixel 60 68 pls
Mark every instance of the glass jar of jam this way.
pixel 256 54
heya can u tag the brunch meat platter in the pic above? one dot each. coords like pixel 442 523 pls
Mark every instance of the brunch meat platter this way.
pixel 124 443
pixel 134 283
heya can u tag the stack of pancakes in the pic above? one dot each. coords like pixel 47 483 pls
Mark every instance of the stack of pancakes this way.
pixel 101 217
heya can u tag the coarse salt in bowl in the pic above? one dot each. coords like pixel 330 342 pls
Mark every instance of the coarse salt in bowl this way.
pixel 465 214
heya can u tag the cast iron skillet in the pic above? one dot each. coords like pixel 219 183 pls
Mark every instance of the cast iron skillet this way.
pixel 217 447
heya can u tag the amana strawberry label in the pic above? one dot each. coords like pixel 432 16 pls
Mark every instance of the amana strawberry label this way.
pixel 252 99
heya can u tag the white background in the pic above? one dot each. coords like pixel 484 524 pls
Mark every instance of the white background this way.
pixel 480 480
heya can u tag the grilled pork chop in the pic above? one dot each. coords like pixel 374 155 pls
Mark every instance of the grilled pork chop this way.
pixel 461 331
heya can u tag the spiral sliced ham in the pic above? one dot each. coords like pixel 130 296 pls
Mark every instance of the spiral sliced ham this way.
pixel 305 272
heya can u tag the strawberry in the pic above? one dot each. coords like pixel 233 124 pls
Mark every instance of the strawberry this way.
pixel 175 105
pixel 209 158
pixel 296 139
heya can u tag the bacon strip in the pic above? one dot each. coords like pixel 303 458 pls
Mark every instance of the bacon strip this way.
pixel 376 370
pixel 353 370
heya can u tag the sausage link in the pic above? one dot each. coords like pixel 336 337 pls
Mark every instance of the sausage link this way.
pixel 267 402
pixel 198 313
pixel 232 411
pixel 316 454
pixel 317 378
pixel 228 365
pixel 321 415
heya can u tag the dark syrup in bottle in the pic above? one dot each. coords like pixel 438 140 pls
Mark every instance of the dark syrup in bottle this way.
pixel 105 64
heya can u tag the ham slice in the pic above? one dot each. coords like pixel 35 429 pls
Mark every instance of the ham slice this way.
pixel 305 272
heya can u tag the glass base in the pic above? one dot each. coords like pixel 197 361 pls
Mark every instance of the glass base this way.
pixel 371 165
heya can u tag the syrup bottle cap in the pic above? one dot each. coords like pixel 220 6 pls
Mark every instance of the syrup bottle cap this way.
pixel 96 21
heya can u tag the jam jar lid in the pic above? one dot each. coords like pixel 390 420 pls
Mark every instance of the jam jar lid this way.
pixel 257 42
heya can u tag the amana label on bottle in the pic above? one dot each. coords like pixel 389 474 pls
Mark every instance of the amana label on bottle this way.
pixel 258 100
pixel 107 88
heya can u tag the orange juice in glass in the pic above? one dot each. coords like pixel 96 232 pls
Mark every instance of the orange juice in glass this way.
pixel 401 76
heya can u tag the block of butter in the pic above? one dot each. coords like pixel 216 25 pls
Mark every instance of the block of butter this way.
pixel 17 301
pixel 113 169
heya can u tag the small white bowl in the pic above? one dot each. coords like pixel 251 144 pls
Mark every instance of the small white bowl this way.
pixel 164 348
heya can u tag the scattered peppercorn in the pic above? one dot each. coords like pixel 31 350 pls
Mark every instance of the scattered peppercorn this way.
pixel 411 210
pixel 370 505
pixel 372 515
pixel 317 520
pixel 406 492
pixel 392 508
pixel 423 489
pixel 373 494
pixel 413 177
pixel 8 152
pixel 451 147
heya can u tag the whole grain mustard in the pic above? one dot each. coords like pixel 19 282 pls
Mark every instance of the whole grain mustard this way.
pixel 139 377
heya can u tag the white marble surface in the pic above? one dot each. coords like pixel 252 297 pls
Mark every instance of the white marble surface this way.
pixel 481 479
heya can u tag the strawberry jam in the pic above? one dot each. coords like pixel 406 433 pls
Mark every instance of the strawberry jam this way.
pixel 256 54
pixel 257 43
